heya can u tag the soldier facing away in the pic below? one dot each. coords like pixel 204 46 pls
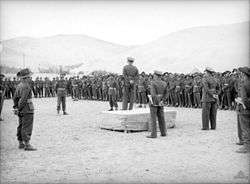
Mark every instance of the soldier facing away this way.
pixel 130 74
pixel 24 109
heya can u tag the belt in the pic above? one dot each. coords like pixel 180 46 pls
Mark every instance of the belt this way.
pixel 60 88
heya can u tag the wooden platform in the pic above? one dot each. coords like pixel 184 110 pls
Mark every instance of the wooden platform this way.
pixel 133 120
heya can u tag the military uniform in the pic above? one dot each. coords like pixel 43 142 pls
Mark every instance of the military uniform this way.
pixel 24 108
pixel 209 100
pixel 130 74
pixel 112 93
pixel 243 110
pixel 2 94
pixel 158 90
pixel 61 94
pixel 142 91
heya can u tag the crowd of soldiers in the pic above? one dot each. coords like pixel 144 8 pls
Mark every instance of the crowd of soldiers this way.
pixel 183 90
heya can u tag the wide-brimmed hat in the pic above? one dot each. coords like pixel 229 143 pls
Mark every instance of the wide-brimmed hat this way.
pixel 245 70
pixel 24 73
pixel 130 59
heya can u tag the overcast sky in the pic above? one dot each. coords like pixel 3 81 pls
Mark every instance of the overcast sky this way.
pixel 127 23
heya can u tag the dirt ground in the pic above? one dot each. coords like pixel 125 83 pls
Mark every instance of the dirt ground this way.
pixel 73 149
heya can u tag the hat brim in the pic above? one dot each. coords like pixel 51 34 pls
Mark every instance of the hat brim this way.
pixel 25 76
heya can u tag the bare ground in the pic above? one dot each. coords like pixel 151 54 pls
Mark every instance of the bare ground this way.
pixel 73 149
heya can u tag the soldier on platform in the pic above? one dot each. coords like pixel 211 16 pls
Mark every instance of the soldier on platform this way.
pixel 158 89
pixel 2 95
pixel 130 74
pixel 209 100
pixel 243 109
pixel 61 94
pixel 24 109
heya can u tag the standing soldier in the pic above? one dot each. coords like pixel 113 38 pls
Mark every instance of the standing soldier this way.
pixel 130 74
pixel 61 94
pixel 24 109
pixel 158 90
pixel 112 93
pixel 243 109
pixel 209 100
pixel 2 94
pixel 197 92
pixel 142 91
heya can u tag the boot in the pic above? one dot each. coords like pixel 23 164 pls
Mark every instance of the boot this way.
pixel 1 119
pixel 240 143
pixel 65 113
pixel 58 111
pixel 28 147
pixel 244 149
pixel 116 108
pixel 21 145
pixel 111 109
pixel 150 136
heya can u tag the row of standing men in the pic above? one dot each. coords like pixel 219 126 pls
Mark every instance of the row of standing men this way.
pixel 183 90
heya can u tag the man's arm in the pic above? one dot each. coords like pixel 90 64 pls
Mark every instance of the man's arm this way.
pixel 24 96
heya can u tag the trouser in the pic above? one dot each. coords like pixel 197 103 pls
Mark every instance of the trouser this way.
pixel 128 94
pixel 157 112
pixel 239 128
pixel 1 103
pixel 142 97
pixel 197 99
pixel 113 101
pixel 104 94
pixel 209 112
pixel 47 92
pixel 61 100
pixel 173 98
pixel 178 98
pixel 245 126
pixel 25 127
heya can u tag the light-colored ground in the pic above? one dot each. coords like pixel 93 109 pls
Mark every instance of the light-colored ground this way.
pixel 73 149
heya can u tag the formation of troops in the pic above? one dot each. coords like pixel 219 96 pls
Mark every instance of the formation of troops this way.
pixel 183 90
pixel 210 90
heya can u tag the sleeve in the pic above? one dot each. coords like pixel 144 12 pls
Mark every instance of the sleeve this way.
pixel 245 98
pixel 16 99
pixel 24 96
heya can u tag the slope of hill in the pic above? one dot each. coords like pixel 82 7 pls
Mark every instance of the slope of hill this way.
pixel 57 50
pixel 222 47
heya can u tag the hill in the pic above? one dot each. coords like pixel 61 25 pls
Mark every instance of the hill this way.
pixel 222 47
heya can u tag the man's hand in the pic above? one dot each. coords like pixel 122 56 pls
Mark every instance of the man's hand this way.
pixel 15 111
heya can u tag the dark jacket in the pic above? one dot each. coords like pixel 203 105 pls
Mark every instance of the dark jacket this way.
pixel 22 99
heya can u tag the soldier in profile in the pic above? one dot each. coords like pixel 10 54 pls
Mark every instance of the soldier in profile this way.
pixel 158 91
pixel 24 109
pixel 2 94
pixel 130 74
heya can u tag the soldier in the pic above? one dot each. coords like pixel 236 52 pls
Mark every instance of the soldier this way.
pixel 197 92
pixel 158 89
pixel 130 74
pixel 209 100
pixel 243 109
pixel 104 90
pixel 2 94
pixel 142 91
pixel 24 109
pixel 61 94
pixel 112 92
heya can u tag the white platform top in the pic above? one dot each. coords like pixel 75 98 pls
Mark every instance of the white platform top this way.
pixel 136 111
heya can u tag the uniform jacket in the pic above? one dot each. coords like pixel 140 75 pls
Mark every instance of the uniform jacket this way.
pixel 130 72
pixel 245 95
pixel 210 88
pixel 158 91
pixel 61 86
pixel 22 99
